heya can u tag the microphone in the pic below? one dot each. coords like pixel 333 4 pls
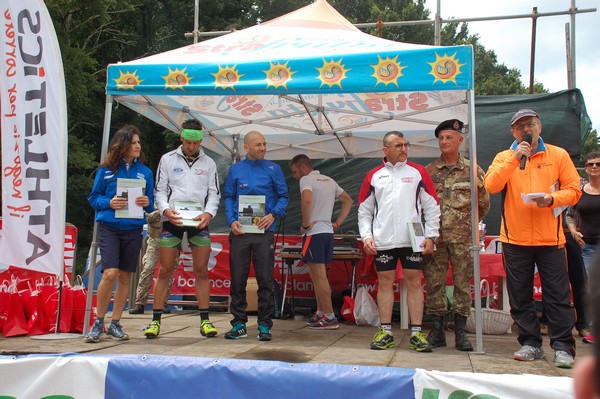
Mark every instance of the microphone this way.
pixel 528 138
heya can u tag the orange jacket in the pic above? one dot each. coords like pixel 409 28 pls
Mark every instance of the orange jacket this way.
pixel 524 224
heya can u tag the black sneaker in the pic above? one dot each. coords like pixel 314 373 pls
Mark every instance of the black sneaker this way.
pixel 263 333
pixel 237 331
pixel 382 340
pixel 137 309
pixel 418 342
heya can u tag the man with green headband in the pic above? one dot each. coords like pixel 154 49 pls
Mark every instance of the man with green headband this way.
pixel 187 196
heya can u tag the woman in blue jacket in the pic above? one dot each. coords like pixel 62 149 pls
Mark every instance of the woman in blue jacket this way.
pixel 119 226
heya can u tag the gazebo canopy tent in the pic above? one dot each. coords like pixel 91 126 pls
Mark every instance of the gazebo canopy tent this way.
pixel 311 83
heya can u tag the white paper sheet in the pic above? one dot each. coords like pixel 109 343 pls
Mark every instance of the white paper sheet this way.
pixel 135 211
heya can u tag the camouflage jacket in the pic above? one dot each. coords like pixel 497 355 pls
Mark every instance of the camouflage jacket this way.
pixel 454 194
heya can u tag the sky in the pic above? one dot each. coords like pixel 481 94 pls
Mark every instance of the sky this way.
pixel 511 41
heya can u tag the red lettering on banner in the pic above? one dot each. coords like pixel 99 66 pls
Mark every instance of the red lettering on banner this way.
pixel 415 101
pixel 15 172
pixel 222 48
pixel 245 105
pixel 11 55
pixel 12 98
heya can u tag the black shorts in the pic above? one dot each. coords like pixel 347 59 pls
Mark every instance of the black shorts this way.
pixel 388 259
pixel 119 249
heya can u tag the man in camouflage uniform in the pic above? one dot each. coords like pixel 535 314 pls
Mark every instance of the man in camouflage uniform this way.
pixel 149 265
pixel 451 175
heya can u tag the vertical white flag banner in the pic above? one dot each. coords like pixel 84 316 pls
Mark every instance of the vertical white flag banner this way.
pixel 34 139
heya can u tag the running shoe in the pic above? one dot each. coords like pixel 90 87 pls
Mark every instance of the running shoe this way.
pixel 418 342
pixel 153 329
pixel 263 333
pixel 382 340
pixel 313 319
pixel 95 332
pixel 325 324
pixel 528 353
pixel 563 360
pixel 237 331
pixel 115 331
pixel 207 329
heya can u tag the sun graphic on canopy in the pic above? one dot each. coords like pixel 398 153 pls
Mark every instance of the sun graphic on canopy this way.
pixel 387 71
pixel 278 75
pixel 177 79
pixel 127 80
pixel 227 77
pixel 332 73
pixel 445 68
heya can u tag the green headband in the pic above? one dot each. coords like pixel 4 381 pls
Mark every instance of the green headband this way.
pixel 191 134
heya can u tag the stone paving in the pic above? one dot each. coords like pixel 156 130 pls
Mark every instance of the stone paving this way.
pixel 295 343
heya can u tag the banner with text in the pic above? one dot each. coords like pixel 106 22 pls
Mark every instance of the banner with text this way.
pixel 34 139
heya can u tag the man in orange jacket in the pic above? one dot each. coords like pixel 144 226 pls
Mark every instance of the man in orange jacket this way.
pixel 535 179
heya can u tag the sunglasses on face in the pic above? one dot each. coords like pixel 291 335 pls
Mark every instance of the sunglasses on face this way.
pixel 590 164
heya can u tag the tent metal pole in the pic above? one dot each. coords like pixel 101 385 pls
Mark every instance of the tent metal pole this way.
pixel 196 12
pixel 532 55
pixel 318 129
pixel 475 222
pixel 438 25
pixel 94 246
pixel 573 63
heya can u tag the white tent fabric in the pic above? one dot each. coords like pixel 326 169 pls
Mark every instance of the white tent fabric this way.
pixel 311 83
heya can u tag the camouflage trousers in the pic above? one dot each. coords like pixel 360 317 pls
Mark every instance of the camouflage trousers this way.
pixel 435 271
pixel 149 261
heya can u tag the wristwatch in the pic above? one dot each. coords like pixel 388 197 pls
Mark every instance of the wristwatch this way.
pixel 274 215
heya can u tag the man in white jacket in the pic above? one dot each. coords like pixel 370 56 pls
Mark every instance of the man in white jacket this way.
pixel 392 195
pixel 187 196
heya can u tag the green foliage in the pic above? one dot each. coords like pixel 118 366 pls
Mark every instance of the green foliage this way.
pixel 591 143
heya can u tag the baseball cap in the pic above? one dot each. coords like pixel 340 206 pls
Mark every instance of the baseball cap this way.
pixel 450 124
pixel 191 134
pixel 522 113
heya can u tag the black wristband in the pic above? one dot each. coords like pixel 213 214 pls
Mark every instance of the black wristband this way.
pixel 305 227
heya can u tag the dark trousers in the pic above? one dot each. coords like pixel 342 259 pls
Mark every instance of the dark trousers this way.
pixel 519 263
pixel 261 249
pixel 578 278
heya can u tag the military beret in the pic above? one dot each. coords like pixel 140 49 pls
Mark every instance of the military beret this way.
pixel 450 124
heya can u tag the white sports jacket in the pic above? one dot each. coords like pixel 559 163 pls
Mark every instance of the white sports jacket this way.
pixel 178 179
pixel 390 197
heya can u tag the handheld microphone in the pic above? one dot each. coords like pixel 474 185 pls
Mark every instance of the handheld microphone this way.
pixel 528 138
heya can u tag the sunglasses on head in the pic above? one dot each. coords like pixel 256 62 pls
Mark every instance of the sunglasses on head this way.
pixel 596 164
